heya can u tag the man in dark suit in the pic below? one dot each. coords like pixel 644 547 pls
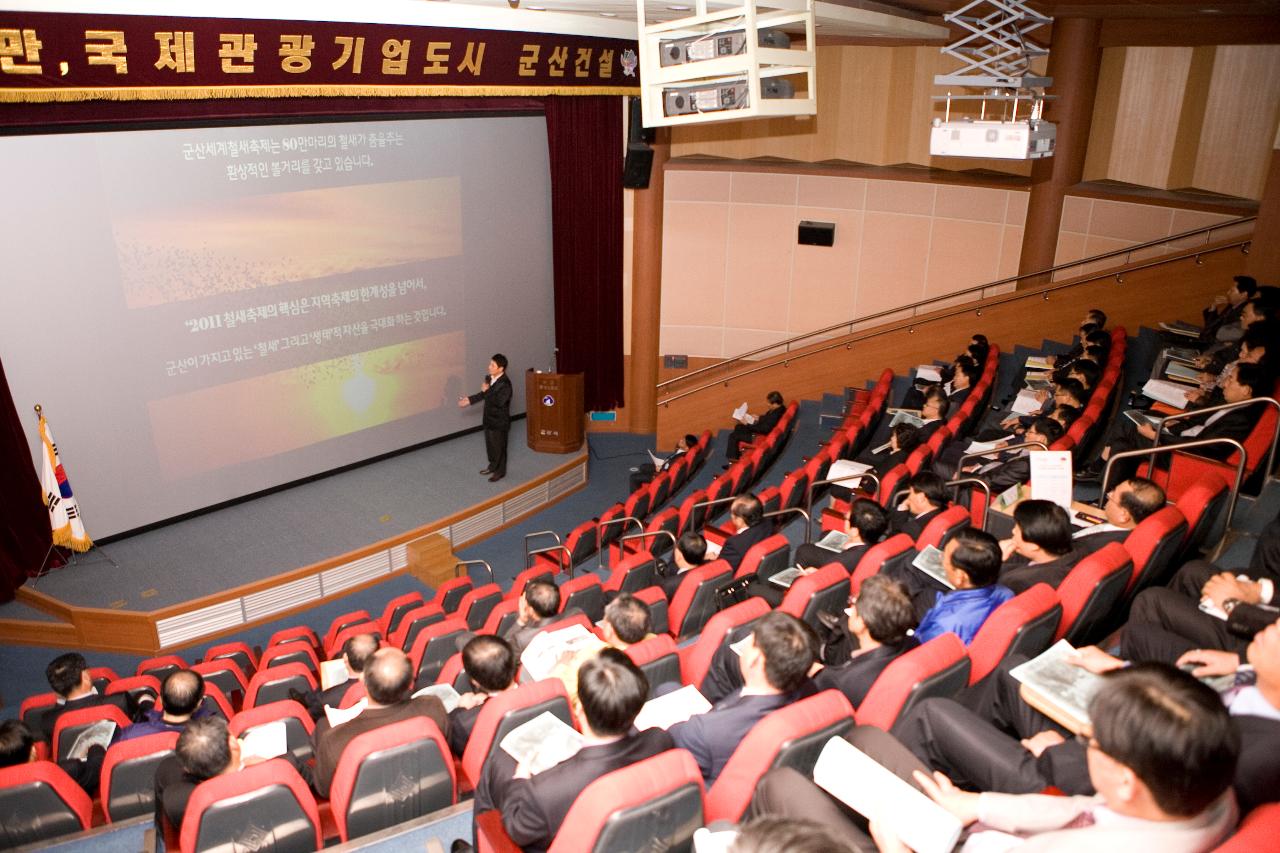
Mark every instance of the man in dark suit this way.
pixel 18 746
pixel 762 425
pixel 491 664
pixel 774 663
pixel 926 497
pixel 356 652
pixel 880 620
pixel 1128 504
pixel 690 552
pixel 612 690
pixel 1040 550
pixel 746 517
pixel 68 676
pixel 538 607
pixel 864 525
pixel 1225 310
pixel 646 472
pixel 1014 466
pixel 496 395
pixel 388 678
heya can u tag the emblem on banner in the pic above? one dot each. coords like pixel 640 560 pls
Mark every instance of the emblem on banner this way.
pixel 629 62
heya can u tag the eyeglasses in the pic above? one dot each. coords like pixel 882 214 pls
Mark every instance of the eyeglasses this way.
pixel 1087 741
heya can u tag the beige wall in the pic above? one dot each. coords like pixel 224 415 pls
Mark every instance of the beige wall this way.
pixel 734 278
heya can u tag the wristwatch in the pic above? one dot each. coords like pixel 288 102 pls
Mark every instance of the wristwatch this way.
pixel 1229 605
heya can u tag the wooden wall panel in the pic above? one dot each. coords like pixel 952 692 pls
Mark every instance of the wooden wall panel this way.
pixel 1175 289
pixel 1242 111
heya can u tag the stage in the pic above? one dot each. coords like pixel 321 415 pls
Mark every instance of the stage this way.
pixel 254 561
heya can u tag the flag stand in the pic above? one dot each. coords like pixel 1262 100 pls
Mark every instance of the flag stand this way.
pixel 64 512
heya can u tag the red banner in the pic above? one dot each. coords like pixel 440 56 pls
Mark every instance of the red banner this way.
pixel 55 57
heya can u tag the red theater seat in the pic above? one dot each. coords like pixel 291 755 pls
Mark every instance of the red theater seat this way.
pixel 940 667
pixel 160 667
pixel 695 659
pixel 827 589
pixel 449 594
pixel 265 807
pixel 477 604
pixel 1091 591
pixel 71 724
pixel 1023 625
pixel 274 683
pixel 766 558
pixel 696 598
pixel 505 711
pixel 298 725
pixel 658 658
pixel 396 609
pixel 40 802
pixel 346 620
pixel 128 783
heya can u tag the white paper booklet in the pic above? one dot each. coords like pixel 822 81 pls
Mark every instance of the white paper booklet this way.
pixel 268 740
pixel 1142 418
pixel 867 787
pixel 1063 686
pixel 740 415
pixel 833 541
pixel 906 416
pixel 1038 362
pixel 929 561
pixel 786 577
pixel 542 743
pixel 98 734
pixel 1026 403
pixel 444 692
pixel 546 649
pixel 928 373
pixel 1051 477
pixel 988 446
pixel 338 716
pixel 846 468
pixel 658 461
pixel 333 672
pixel 1169 393
pixel 1185 372
pixel 675 707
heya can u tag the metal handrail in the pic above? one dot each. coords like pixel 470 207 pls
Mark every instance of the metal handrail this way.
pixel 464 563
pixel 645 534
pixel 979 289
pixel 528 555
pixel 1222 407
pixel 785 359
pixel 985 453
pixel 787 510
pixel 808 495
pixel 621 519
pixel 975 481
pixel 1174 448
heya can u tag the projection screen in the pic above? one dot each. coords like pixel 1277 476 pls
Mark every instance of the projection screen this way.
pixel 207 313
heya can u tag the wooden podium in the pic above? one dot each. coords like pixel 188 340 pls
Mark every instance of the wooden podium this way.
pixel 554 418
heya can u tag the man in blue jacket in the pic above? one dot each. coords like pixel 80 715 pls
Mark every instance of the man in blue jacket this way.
pixel 971 561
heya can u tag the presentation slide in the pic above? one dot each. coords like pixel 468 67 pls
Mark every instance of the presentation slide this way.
pixel 207 313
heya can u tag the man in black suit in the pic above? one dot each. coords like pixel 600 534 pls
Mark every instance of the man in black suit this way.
pixel 1225 311
pixel 926 497
pixel 538 607
pixel 18 746
pixel 762 425
pixel 205 749
pixel 880 620
pixel 1040 550
pixel 68 676
pixel 774 663
pixel 690 552
pixel 1011 467
pixel 1128 504
pixel 612 690
pixel 496 395
pixel 646 472
pixel 864 525
pixel 491 664
pixel 356 652
pixel 746 517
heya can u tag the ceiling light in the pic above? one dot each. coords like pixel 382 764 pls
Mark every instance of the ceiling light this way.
pixel 678 8
pixel 608 14
pixel 536 8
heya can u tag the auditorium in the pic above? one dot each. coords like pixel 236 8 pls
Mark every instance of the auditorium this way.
pixel 580 425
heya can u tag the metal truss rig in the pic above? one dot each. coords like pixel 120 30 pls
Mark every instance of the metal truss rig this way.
pixel 996 54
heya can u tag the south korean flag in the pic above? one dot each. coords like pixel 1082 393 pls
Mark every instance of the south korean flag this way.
pixel 64 513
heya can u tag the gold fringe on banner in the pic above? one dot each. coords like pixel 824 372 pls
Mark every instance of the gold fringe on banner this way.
pixel 179 93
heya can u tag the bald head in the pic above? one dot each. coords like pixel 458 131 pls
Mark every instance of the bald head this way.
pixel 388 676
pixel 358 650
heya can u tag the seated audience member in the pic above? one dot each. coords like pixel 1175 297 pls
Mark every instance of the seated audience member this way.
pixel 68 676
pixel 775 663
pixel 957 379
pixel 646 472
pixel 903 439
pixel 763 425
pixel 926 497
pixel 1248 382
pixel 18 746
pixel 1011 467
pixel 971 560
pixel 1040 550
pixel 491 664
pixel 627 621
pixel 180 696
pixel 1252 348
pixel 1223 314
pixel 979 348
pixel 1161 755
pixel 1200 579
pixel 746 517
pixel 1263 307
pixel 780 835
pixel 388 679
pixel 1128 504
pixel 880 620
pixel 1065 392
pixel 1065 416
pixel 1094 322
pixel 537 607
pixel 612 690
pixel 356 652
pixel 864 526
pixel 689 553
pixel 205 749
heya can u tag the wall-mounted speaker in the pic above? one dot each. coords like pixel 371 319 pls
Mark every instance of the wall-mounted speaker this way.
pixel 636 168
pixel 817 233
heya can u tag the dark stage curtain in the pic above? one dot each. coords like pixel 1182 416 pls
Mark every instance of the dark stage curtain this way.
pixel 584 136
pixel 24 526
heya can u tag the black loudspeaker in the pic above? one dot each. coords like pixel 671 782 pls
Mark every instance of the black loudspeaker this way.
pixel 635 169
pixel 636 131
pixel 817 233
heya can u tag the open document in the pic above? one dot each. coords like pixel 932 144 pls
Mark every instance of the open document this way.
pixel 333 672
pixel 1057 687
pixel 663 712
pixel 550 647
pixel 1051 477
pixel 97 734
pixel 542 743
pixel 786 577
pixel 741 416
pixel 928 373
pixel 1026 403
pixel 1169 393
pixel 876 793
pixel 444 692
pixel 269 740
pixel 929 561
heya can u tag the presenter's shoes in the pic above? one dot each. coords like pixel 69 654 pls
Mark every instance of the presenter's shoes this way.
pixel 486 472
pixel 495 478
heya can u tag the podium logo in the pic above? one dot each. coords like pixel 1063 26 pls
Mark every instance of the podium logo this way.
pixel 548 400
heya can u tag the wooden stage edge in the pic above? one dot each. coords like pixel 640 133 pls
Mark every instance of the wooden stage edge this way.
pixel 426 552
